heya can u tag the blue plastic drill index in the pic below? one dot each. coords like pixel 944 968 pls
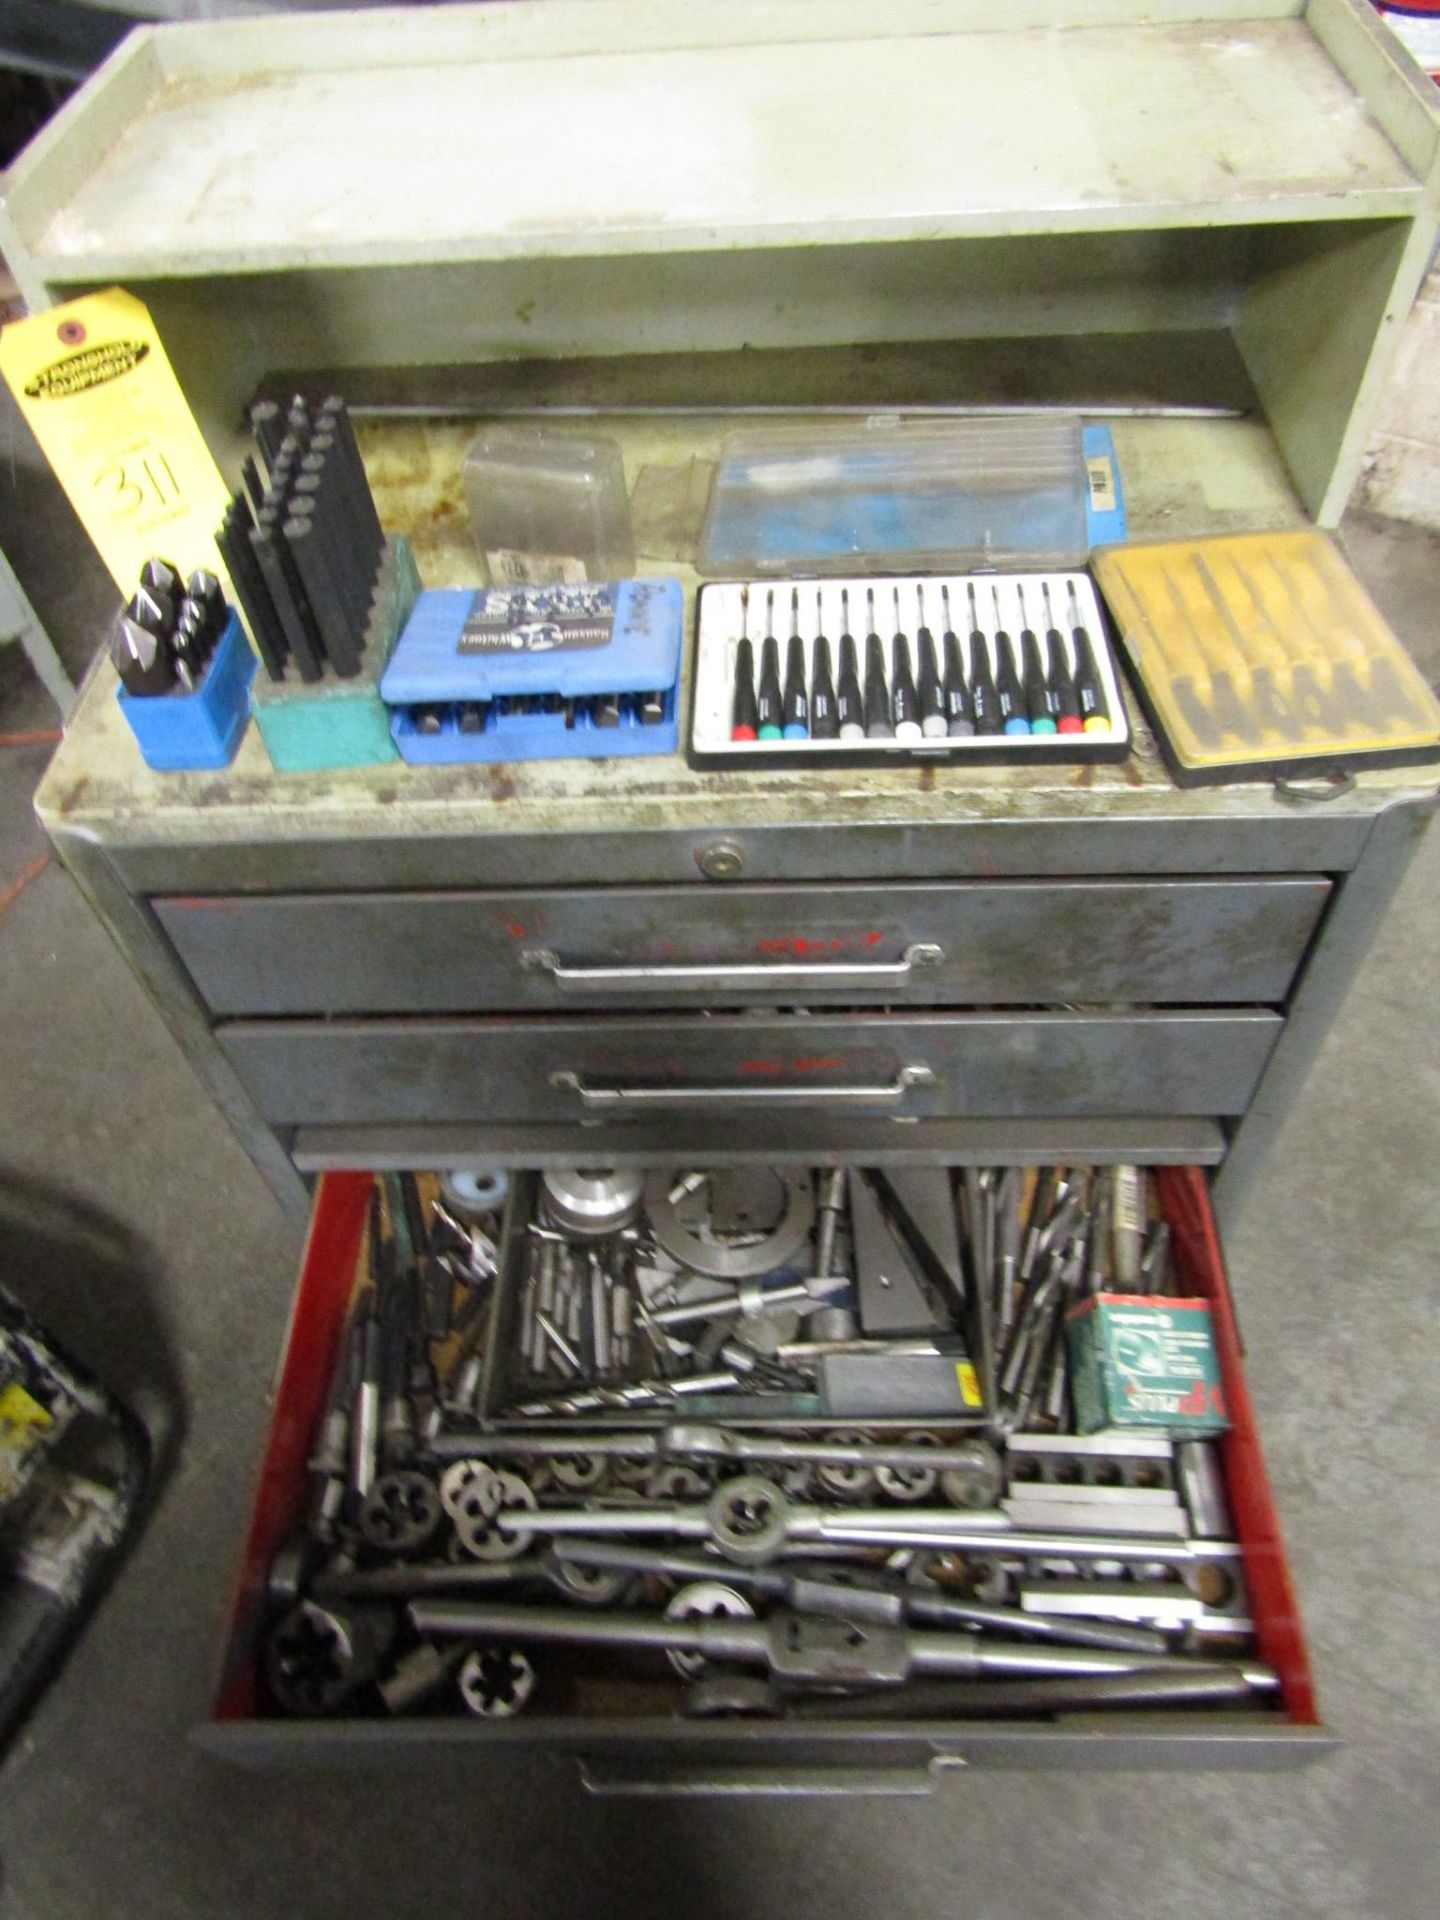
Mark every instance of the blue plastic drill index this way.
pixel 464 646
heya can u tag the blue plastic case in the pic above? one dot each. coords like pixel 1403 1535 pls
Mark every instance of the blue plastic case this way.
pixel 504 649
pixel 1104 496
pixel 199 731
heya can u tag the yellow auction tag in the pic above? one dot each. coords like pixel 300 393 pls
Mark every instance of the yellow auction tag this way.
pixel 96 386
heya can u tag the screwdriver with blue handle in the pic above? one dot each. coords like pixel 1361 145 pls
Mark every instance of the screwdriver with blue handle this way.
pixel 1041 705
pixel 1013 716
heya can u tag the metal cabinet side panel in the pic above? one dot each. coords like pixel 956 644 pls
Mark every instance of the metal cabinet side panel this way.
pixel 135 932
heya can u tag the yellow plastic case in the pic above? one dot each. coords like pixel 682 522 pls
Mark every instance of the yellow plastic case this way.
pixel 1260 654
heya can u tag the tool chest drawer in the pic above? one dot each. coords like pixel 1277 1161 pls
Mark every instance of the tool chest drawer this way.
pixel 915 1066
pixel 325 1657
pixel 999 943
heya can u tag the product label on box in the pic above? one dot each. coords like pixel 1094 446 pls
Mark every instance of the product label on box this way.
pixel 968 1381
pixel 558 619
pixel 1143 1361
pixel 510 568
pixel 1100 475
pixel 98 392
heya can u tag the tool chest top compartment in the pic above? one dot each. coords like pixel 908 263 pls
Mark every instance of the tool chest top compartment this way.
pixel 1264 207
pixel 498 1636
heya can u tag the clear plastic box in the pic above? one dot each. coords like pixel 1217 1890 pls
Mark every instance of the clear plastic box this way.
pixel 903 495
pixel 548 507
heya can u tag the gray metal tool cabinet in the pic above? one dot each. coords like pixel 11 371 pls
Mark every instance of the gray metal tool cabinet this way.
pixel 1209 214
pixel 397 966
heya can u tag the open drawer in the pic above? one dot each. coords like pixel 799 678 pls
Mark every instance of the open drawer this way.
pixel 628 1733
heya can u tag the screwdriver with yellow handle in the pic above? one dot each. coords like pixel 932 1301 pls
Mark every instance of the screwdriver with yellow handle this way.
pixel 1225 701
pixel 1271 709
pixel 1182 687
pixel 1388 698
pixel 1094 714
pixel 1309 706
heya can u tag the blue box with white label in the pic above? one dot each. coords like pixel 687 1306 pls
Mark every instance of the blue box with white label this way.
pixel 556 672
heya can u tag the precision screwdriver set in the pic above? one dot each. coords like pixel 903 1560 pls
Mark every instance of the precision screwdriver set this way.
pixel 184 668
pixel 538 672
pixel 975 669
pixel 625 1545
pixel 1261 654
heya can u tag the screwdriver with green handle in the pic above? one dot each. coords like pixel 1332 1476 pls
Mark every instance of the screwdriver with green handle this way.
pixel 768 699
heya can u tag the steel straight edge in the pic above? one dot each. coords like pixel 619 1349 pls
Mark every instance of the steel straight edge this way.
pixel 817 1142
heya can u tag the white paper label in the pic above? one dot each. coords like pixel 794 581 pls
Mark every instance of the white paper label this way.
pixel 1101 476
pixel 509 568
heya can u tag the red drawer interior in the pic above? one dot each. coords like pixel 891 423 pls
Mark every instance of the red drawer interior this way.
pixel 327 1276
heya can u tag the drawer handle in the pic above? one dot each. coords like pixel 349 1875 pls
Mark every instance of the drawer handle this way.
pixel 889 1094
pixel 868 973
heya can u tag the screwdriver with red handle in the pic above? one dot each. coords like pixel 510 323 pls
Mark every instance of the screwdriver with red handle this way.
pixel 1062 682
pixel 744 714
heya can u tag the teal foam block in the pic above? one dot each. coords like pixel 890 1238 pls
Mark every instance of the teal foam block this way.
pixel 310 726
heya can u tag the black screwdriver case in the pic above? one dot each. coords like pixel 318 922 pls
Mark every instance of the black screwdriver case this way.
pixel 910 615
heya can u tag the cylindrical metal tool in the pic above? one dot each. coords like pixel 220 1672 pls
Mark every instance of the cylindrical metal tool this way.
pixel 592 1200
pixel 791 1644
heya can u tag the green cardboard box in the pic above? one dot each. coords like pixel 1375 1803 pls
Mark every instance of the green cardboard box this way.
pixel 1144 1360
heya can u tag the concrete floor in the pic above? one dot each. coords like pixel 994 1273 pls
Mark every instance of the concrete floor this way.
pixel 136 1227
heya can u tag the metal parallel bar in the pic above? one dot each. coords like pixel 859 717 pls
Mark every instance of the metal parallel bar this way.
pixel 651 1749
pixel 826 1139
